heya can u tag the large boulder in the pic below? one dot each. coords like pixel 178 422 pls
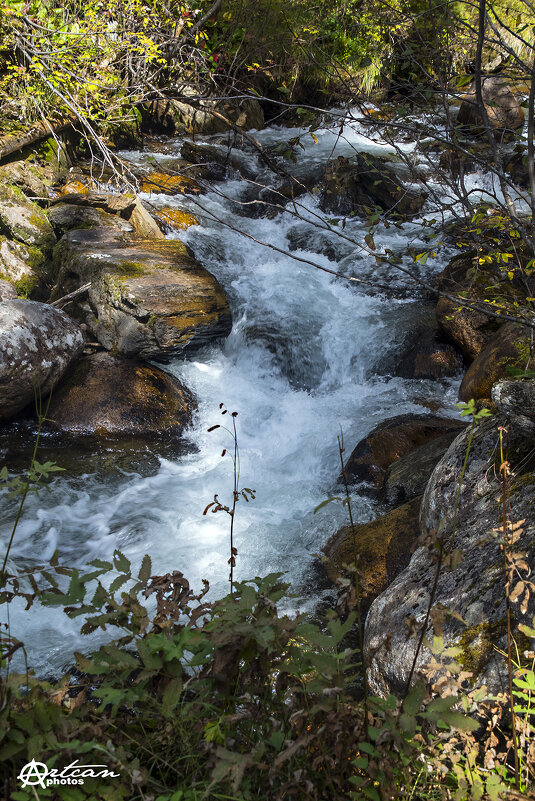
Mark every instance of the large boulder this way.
pixel 37 344
pixel 205 116
pixel 148 299
pixel 104 395
pixel 23 220
pixel 471 588
pixel 367 182
pixel 504 112
pixel 393 439
pixel 381 549
pixel 508 348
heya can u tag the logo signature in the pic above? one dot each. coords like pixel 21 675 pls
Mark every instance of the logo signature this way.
pixel 38 773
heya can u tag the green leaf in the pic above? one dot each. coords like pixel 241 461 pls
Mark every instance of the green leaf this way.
pixel 120 561
pixel 324 503
pixel 146 568
pixel 172 693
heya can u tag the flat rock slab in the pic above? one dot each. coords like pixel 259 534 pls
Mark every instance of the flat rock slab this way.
pixel 148 299
pixel 106 395
pixel 37 344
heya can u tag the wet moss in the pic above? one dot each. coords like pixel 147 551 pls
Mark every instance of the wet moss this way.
pixel 477 645
pixel 129 268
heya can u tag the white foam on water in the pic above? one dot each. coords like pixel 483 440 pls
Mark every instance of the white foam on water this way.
pixel 309 354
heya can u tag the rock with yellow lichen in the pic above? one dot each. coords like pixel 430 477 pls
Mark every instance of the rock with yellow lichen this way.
pixel 381 549
pixel 148 299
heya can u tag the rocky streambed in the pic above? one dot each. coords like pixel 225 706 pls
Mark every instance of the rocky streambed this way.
pixel 197 292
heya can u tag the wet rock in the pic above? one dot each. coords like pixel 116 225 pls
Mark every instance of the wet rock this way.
pixel 508 348
pixel 504 112
pixel 143 223
pixel 75 186
pixel 393 439
pixel 23 220
pixel 105 395
pixel 428 358
pixel 363 184
pixel 469 330
pixel 205 115
pixel 407 477
pixel 217 159
pixel 122 205
pixel 7 291
pixel 382 549
pixel 148 299
pixel 67 216
pixel 37 344
pixel 473 589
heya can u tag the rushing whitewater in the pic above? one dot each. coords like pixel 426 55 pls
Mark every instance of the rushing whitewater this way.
pixel 309 355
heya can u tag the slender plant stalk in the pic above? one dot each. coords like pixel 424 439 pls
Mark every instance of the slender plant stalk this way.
pixel 235 496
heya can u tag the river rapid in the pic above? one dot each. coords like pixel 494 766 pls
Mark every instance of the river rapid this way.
pixel 309 355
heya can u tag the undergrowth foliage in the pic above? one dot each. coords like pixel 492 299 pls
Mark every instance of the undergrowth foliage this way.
pixel 186 698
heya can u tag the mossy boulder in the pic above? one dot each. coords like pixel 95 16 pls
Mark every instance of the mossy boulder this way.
pixel 508 348
pixel 148 298
pixel 37 344
pixel 407 477
pixel 23 220
pixel 67 216
pixel 104 395
pixel 26 176
pixel 393 439
pixel 22 266
pixel 471 588
pixel 382 549
pixel 161 183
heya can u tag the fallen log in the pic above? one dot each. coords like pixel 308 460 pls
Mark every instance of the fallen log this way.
pixel 12 142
